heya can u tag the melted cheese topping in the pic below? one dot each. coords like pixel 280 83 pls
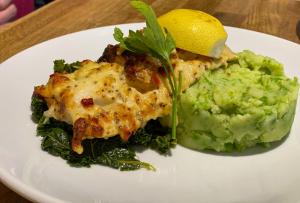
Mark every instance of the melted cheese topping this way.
pixel 99 103
pixel 101 100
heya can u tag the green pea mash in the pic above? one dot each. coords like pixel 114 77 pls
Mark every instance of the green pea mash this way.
pixel 248 102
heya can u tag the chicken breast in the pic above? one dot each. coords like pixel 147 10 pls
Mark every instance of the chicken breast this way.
pixel 120 93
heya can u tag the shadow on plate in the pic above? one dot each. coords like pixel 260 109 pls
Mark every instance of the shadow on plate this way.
pixel 141 149
pixel 258 149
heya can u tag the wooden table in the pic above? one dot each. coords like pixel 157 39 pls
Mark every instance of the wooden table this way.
pixel 276 17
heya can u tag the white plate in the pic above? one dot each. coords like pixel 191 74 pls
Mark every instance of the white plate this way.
pixel 186 176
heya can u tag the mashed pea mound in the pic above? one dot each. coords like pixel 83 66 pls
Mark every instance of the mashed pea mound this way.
pixel 248 102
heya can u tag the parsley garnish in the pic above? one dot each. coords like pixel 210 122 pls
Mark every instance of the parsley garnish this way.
pixel 153 41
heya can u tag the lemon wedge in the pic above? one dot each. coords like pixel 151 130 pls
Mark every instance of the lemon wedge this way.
pixel 195 31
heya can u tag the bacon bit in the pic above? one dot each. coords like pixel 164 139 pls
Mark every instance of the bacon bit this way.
pixel 87 102
pixel 155 78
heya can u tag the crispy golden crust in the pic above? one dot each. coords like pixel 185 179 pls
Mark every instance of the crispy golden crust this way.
pixel 99 103
pixel 120 94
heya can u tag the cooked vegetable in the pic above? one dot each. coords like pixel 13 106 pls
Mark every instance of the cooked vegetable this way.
pixel 61 66
pixel 249 102
pixel 38 106
pixel 56 140
pixel 154 135
pixel 99 102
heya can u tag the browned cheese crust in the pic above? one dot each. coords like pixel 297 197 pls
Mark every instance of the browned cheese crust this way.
pixel 120 93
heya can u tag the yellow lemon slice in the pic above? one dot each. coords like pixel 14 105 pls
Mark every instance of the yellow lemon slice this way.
pixel 195 31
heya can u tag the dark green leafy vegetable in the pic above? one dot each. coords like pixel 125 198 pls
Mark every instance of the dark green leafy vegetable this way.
pixel 117 155
pixel 154 135
pixel 154 42
pixel 38 106
pixel 163 143
pixel 113 152
pixel 61 66
pixel 55 135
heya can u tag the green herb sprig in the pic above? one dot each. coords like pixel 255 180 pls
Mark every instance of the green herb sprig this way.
pixel 153 41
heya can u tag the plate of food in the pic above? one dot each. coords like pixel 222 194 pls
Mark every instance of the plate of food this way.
pixel 175 110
